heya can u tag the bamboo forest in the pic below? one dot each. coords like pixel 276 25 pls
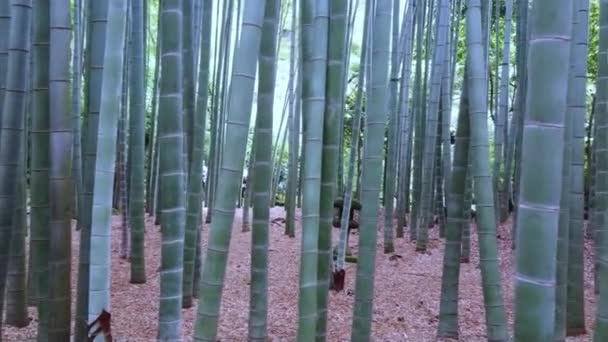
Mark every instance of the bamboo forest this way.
pixel 304 170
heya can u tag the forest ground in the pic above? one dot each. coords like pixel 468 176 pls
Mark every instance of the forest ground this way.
pixel 406 302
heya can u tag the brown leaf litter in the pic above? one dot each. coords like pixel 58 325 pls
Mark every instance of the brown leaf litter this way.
pixel 406 303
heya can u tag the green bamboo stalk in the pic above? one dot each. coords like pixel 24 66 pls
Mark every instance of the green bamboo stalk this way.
pixel 496 323
pixel 152 150
pixel 563 238
pixel 137 131
pixel 16 295
pixel 315 30
pixel 601 192
pixel 431 124
pixel 247 194
pixel 355 141
pixel 220 60
pixel 5 19
pixel 446 146
pixel 393 118
pixel 372 172
pixel 438 190
pixel 76 107
pixel 97 24
pixel 418 119
pixel 172 166
pixel 426 215
pixel 262 186
pixel 11 132
pixel 120 193
pixel 239 114
pixel 278 162
pixel 405 125
pixel 465 255
pixel 60 167
pixel 188 79
pixel 454 38
pixel 156 164
pixel 100 249
pixel 294 138
pixel 39 162
pixel 221 98
pixel 498 116
pixel 352 8
pixel 575 307
pixel 17 291
pixel 520 110
pixel 539 201
pixel 194 200
pixel 336 31
pixel 502 113
pixel 448 307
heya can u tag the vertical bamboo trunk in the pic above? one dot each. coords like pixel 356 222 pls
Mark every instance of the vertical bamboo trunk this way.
pixel 494 71
pixel 405 129
pixel 446 146
pixel 561 286
pixel 294 138
pixel 438 190
pixel 372 172
pixel 496 323
pixel 590 175
pixel 122 151
pixel 11 137
pixel 563 239
pixel 219 85
pixel 431 124
pixel 418 119
pixel 188 80
pixel 76 106
pixel 340 273
pixel 601 191
pixel 5 20
pixel 60 182
pixel 520 110
pixel 172 164
pixel 97 24
pixel 314 21
pixel 39 162
pixel 103 170
pixel 278 150
pixel 137 131
pixel 16 295
pixel 239 114
pixel 194 200
pixel 575 307
pixel 336 31
pixel 430 38
pixel 261 190
pixel 390 163
pixel 352 9
pixel 468 209
pixel 541 178
pixel 448 307
pixel 152 150
pixel 503 110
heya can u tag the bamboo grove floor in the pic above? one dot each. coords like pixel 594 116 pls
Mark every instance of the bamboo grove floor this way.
pixel 406 300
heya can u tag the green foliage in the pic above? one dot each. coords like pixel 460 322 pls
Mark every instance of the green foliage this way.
pixel 350 104
pixel 594 29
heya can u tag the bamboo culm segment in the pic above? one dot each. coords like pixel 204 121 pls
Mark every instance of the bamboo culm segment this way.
pixel 372 172
pixel 541 178
pixel 229 180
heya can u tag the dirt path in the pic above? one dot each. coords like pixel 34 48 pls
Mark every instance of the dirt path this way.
pixel 406 300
